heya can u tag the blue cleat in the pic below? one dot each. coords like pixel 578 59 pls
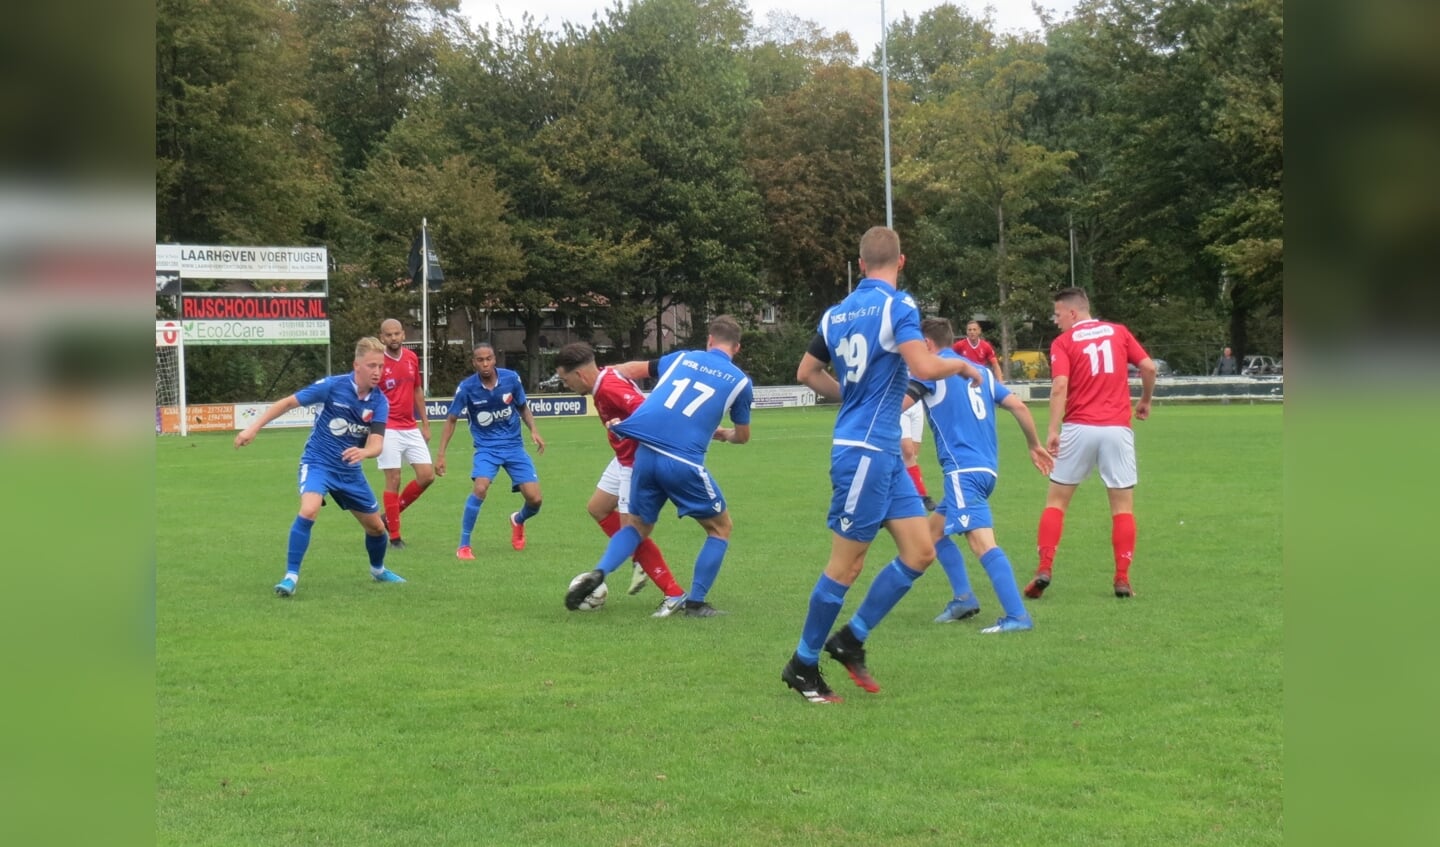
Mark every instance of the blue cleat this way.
pixel 285 587
pixel 1009 624
pixel 387 575
pixel 959 609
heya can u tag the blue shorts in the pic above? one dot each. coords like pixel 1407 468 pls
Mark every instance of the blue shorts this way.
pixel 657 477
pixel 867 489
pixel 967 501
pixel 515 461
pixel 348 488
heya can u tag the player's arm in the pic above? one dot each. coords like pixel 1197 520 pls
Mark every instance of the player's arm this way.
pixel 1039 456
pixel 638 369
pixel 995 368
pixel 422 417
pixel 445 434
pixel 1147 387
pixel 814 372
pixel 737 434
pixel 529 420
pixel 927 366
pixel 276 409
pixel 1059 393
pixel 374 443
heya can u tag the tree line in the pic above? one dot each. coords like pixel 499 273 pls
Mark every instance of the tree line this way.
pixel 681 152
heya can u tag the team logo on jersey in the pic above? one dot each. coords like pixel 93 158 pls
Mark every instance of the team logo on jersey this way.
pixel 718 507
pixel 367 415
pixel 845 524
pixel 965 520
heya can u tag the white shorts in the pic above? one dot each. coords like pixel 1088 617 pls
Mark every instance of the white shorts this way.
pixel 912 422
pixel 403 447
pixel 1084 447
pixel 616 480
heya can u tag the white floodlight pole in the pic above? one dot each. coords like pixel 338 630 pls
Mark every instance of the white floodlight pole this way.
pixel 885 109
pixel 425 303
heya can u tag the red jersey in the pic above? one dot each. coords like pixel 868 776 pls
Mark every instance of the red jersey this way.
pixel 1093 354
pixel 616 397
pixel 399 381
pixel 981 354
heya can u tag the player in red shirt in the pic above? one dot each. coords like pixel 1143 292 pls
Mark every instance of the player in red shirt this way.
pixel 616 397
pixel 1090 428
pixel 407 436
pixel 975 348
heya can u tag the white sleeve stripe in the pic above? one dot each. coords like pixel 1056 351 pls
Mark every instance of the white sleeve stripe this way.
pixel 730 401
pixel 887 328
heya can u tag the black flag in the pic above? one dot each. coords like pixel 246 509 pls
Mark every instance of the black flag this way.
pixel 437 276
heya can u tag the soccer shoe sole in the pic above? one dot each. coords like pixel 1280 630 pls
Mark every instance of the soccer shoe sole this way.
pixel 575 596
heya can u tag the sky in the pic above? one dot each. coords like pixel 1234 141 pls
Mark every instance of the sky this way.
pixel 861 18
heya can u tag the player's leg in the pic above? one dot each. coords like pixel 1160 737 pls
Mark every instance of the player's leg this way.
pixel 636 526
pixel 389 461
pixel 352 493
pixel 697 495
pixel 912 434
pixel 1119 473
pixel 650 565
pixel 482 472
pixel 299 539
pixel 1002 577
pixel 1079 451
pixel 416 453
pixel 942 523
pixel 524 479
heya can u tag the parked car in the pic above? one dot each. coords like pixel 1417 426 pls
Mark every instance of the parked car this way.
pixel 1162 368
pixel 550 385
pixel 1261 366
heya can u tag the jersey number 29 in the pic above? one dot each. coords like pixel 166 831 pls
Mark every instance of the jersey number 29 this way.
pixel 854 351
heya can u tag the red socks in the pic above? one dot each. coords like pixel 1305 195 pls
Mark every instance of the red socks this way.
pixel 392 513
pixel 411 493
pixel 611 524
pixel 648 556
pixel 1052 523
pixel 1122 539
pixel 914 471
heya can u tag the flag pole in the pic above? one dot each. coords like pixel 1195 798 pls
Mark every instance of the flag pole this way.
pixel 885 108
pixel 425 304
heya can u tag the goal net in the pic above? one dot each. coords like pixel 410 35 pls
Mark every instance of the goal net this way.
pixel 169 384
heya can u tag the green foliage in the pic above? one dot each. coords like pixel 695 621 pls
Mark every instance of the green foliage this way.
pixel 771 357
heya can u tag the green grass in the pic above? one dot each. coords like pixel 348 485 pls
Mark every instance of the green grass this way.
pixel 468 707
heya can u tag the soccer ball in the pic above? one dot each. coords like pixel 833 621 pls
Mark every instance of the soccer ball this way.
pixel 596 599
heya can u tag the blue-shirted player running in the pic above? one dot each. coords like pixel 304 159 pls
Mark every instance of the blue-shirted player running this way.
pixel 349 428
pixel 872 338
pixel 493 400
pixel 675 426
pixel 962 419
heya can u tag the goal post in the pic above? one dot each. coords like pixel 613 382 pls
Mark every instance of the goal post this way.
pixel 170 378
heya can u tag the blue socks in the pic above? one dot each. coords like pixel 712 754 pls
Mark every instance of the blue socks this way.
pixel 949 557
pixel 621 547
pixel 299 543
pixel 825 601
pixel 467 518
pixel 707 567
pixel 375 546
pixel 1002 576
pixel 892 583
pixel 526 513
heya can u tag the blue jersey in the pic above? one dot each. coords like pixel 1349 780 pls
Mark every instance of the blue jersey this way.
pixel 695 390
pixel 863 333
pixel 963 420
pixel 494 413
pixel 344 419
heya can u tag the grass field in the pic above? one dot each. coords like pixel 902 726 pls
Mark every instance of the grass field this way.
pixel 468 707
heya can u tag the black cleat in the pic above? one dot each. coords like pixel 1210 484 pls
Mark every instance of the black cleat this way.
pixel 587 583
pixel 1036 587
pixel 1122 588
pixel 848 650
pixel 929 503
pixel 397 544
pixel 700 609
pixel 807 682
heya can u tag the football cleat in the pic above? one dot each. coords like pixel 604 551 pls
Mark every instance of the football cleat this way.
pixel 1011 624
pixel 669 606
pixel 517 532
pixel 929 503
pixel 465 553
pixel 586 584
pixel 637 579
pixel 848 650
pixel 397 543
pixel 387 575
pixel 959 609
pixel 701 609
pixel 1037 586
pixel 1122 588
pixel 807 682
pixel 285 587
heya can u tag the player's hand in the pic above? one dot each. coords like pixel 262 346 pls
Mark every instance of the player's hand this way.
pixel 723 433
pixel 1142 410
pixel 352 455
pixel 539 442
pixel 1041 459
pixel 1052 444
pixel 243 437
pixel 425 432
pixel 971 373
pixel 440 465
